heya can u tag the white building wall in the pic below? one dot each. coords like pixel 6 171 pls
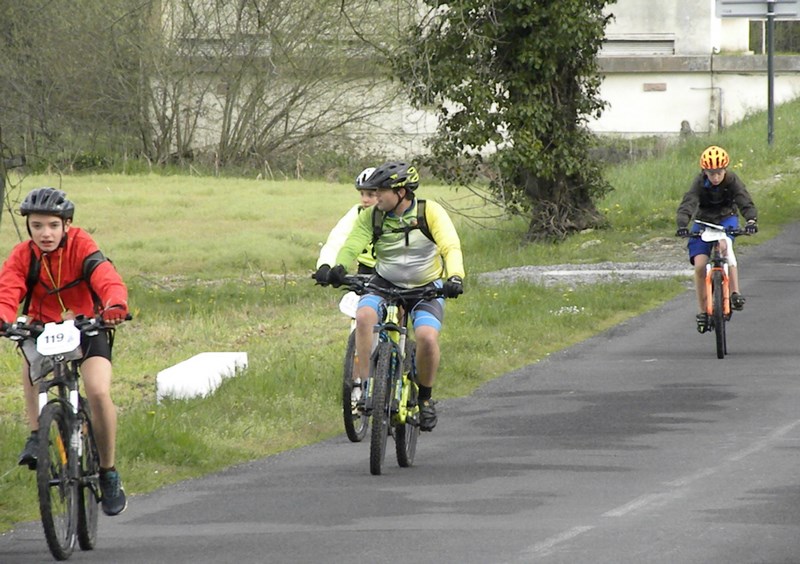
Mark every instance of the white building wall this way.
pixel 708 78
pixel 638 105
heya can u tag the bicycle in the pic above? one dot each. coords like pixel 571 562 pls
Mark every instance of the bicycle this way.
pixel 68 463
pixel 391 390
pixel 717 280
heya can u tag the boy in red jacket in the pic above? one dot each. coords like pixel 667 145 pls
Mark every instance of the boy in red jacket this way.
pixel 74 278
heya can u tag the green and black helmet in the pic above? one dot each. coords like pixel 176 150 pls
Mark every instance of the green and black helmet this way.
pixel 394 175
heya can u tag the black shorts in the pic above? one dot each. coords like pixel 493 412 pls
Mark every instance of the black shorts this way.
pixel 98 345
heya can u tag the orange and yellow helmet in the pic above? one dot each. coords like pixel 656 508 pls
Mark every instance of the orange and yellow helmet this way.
pixel 714 157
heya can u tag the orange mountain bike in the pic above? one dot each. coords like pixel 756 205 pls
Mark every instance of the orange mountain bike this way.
pixel 718 292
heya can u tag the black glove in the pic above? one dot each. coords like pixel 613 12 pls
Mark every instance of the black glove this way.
pixel 321 275
pixel 682 232
pixel 454 287
pixel 752 227
pixel 336 276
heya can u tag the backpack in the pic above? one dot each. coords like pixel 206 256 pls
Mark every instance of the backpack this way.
pixel 422 224
pixel 34 269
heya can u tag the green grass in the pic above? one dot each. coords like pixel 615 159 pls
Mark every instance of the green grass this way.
pixel 224 264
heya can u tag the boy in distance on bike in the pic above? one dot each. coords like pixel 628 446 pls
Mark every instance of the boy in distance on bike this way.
pixel 716 195
pixel 339 233
pixel 405 258
pixel 74 278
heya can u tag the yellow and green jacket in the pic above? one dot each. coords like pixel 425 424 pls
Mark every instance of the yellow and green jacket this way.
pixel 408 259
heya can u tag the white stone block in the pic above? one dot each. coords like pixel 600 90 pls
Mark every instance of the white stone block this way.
pixel 199 375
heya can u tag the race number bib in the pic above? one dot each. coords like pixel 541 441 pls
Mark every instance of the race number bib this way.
pixel 58 338
pixel 349 304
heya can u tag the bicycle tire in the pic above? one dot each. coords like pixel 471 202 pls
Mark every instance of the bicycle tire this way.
pixel 381 403
pixel 718 313
pixel 57 492
pixel 407 432
pixel 89 489
pixel 355 424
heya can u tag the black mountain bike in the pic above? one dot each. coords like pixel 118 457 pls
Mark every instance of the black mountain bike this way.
pixel 391 391
pixel 68 464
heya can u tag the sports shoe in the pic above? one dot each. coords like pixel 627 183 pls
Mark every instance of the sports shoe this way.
pixel 113 500
pixel 427 415
pixel 737 301
pixel 702 322
pixel 356 397
pixel 29 454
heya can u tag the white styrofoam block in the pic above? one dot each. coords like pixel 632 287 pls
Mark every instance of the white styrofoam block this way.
pixel 199 375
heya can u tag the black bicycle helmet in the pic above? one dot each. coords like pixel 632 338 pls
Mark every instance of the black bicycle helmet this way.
pixel 48 201
pixel 394 175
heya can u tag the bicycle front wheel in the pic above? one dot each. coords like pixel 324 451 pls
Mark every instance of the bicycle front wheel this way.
pixel 406 432
pixel 719 314
pixel 89 489
pixel 381 374
pixel 354 416
pixel 58 496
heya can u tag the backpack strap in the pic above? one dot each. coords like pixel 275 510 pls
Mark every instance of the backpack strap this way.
pixel 422 220
pixel 90 263
pixel 422 224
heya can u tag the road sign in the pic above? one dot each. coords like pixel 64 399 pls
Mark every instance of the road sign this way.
pixel 782 9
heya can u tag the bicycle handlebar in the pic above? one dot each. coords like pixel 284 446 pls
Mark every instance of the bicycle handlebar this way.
pixel 20 330
pixel 698 234
pixel 360 284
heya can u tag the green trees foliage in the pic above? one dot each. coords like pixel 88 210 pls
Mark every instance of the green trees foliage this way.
pixel 513 83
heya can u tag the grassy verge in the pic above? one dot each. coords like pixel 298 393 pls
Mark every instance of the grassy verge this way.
pixel 220 264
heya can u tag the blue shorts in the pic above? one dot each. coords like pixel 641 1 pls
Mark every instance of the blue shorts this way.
pixel 428 313
pixel 697 246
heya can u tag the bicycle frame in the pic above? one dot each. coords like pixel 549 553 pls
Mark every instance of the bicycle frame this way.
pixel 718 263
pixel 394 328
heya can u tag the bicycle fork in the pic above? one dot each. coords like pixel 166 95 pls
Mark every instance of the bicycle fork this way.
pixel 726 290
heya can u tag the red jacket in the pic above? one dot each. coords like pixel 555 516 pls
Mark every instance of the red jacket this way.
pixel 65 266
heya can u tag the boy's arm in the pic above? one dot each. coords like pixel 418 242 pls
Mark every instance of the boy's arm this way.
pixel 101 275
pixel 688 206
pixel 13 286
pixel 337 237
pixel 744 201
pixel 360 235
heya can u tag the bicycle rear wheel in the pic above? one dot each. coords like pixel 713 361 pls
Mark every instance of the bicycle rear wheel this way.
pixel 58 496
pixel 89 490
pixel 381 369
pixel 355 418
pixel 719 313
pixel 407 432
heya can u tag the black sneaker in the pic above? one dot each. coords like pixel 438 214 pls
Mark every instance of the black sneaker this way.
pixel 737 301
pixel 427 415
pixel 113 500
pixel 29 454
pixel 702 322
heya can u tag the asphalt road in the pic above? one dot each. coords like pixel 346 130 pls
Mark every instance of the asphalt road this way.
pixel 636 446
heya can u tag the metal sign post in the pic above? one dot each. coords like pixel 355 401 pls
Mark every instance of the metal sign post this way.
pixel 770 71
pixel 769 9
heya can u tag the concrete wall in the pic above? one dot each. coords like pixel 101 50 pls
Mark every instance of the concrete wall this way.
pixel 654 95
